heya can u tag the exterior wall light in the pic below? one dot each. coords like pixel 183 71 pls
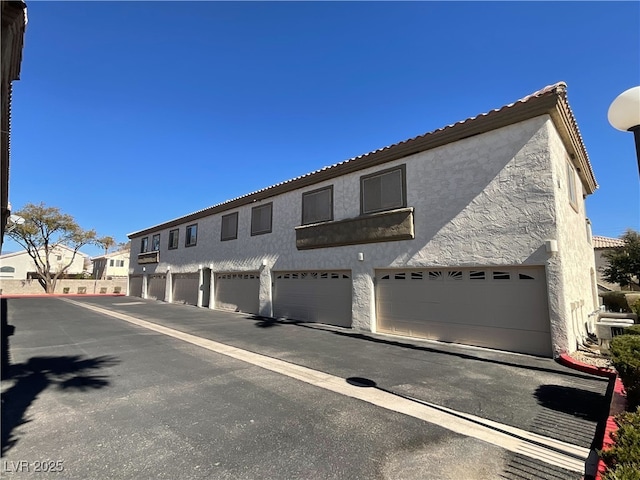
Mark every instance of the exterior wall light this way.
pixel 624 115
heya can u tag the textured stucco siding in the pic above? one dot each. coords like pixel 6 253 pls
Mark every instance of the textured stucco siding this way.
pixel 24 264
pixel 570 279
pixel 483 201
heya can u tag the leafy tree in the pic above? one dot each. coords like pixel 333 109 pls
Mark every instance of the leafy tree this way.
pixel 44 230
pixel 107 243
pixel 624 262
pixel 125 245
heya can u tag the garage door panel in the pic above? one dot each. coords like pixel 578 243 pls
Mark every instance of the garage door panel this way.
pixel 321 296
pixel 504 308
pixel 185 288
pixel 157 285
pixel 528 341
pixel 135 286
pixel 238 292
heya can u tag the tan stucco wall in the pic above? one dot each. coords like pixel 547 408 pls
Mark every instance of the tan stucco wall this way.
pixel 571 272
pixel 32 287
pixel 483 201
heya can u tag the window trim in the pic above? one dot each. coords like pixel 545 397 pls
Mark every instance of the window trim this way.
pixel 572 186
pixel 177 237
pixel 144 244
pixel 363 178
pixel 153 237
pixel 270 205
pixel 235 234
pixel 186 235
pixel 312 192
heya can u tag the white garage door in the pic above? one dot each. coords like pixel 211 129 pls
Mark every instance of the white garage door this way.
pixel 502 308
pixel 157 286
pixel 238 292
pixel 135 286
pixel 321 296
pixel 185 288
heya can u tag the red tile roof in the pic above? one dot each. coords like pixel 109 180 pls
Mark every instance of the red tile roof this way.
pixel 551 100
pixel 606 242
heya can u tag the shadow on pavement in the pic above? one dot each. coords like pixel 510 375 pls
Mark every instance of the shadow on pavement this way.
pixel 266 322
pixel 38 374
pixel 580 403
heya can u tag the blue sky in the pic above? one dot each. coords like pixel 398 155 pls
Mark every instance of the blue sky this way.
pixel 129 114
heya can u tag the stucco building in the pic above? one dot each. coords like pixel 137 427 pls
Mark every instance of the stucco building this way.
pixel 20 266
pixel 475 233
pixel 601 246
pixel 114 264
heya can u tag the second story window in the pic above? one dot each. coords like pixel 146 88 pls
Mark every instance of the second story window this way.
pixel 191 235
pixel 317 206
pixel 229 229
pixel 173 239
pixel 383 190
pixel 571 185
pixel 261 219
pixel 155 242
pixel 144 245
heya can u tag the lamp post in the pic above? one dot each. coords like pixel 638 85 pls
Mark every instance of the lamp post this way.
pixel 624 115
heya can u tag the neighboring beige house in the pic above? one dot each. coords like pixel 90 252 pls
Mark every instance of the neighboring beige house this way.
pixel 20 266
pixel 475 233
pixel 602 245
pixel 111 265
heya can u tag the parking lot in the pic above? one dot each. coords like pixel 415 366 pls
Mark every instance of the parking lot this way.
pixel 119 387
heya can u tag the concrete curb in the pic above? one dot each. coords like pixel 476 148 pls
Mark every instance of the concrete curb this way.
pixel 618 401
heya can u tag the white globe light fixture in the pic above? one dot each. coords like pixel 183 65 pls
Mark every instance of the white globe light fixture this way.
pixel 624 114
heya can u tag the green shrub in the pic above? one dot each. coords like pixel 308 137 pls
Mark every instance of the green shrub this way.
pixel 625 357
pixel 623 458
pixel 616 302
pixel 635 308
pixel 632 330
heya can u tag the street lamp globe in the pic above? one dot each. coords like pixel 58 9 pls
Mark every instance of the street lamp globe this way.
pixel 624 114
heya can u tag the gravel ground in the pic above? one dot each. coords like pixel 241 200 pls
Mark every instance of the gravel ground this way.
pixel 592 356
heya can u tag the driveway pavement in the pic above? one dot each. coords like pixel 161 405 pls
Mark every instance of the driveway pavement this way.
pixel 111 399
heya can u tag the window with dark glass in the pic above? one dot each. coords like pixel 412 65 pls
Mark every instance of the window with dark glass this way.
pixel 229 229
pixel 317 206
pixel 173 239
pixel 155 242
pixel 191 235
pixel 383 190
pixel 571 185
pixel 261 219
pixel 144 245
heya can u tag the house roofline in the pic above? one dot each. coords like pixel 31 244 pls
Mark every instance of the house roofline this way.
pixel 551 101
pixel 23 252
pixel 109 255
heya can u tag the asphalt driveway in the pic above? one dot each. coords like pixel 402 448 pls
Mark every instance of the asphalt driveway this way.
pixel 110 399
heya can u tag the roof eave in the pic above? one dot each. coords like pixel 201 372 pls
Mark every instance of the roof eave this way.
pixel 551 101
